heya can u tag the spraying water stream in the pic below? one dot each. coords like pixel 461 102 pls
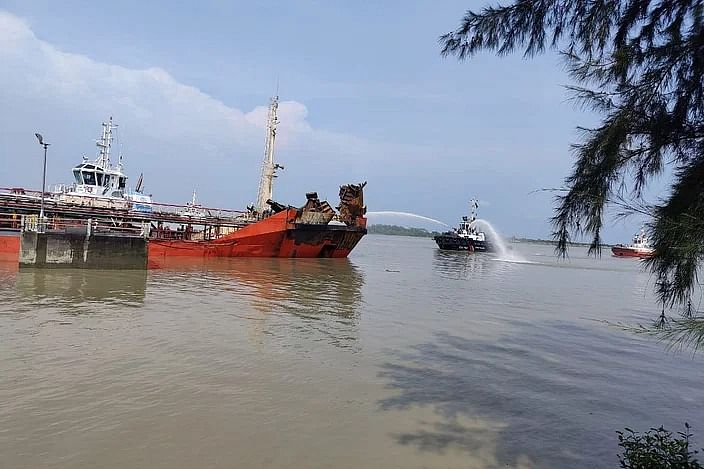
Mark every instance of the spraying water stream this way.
pixel 504 254
pixel 407 215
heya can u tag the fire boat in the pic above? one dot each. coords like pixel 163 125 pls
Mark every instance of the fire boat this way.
pixel 640 247
pixel 466 237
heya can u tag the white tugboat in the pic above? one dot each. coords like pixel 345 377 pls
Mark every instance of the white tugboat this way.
pixel 465 237
pixel 100 184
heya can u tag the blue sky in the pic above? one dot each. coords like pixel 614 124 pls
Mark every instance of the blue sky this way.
pixel 365 95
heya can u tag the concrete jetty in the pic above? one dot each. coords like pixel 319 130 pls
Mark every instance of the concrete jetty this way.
pixel 82 244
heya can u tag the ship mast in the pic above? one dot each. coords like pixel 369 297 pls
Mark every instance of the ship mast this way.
pixel 473 206
pixel 266 183
pixel 105 143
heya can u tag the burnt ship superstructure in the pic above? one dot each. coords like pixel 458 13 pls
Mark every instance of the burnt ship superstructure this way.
pixel 466 237
pixel 266 229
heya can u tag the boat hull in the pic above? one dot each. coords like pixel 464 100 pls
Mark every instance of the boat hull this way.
pixel 276 236
pixel 627 251
pixel 458 243
pixel 9 246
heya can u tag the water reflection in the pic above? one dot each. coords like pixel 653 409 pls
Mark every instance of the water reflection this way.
pixel 8 271
pixel 74 287
pixel 317 286
pixel 462 264
pixel 543 392
pixel 312 289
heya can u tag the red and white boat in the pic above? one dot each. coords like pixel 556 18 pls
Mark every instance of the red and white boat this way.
pixel 640 247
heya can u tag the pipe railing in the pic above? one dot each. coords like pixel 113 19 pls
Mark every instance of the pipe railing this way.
pixel 32 223
pixel 166 207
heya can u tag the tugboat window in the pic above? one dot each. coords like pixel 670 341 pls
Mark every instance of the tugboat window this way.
pixel 121 184
pixel 107 180
pixel 100 178
pixel 89 178
pixel 77 176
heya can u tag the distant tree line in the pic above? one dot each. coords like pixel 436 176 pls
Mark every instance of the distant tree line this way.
pixel 516 239
pixel 396 230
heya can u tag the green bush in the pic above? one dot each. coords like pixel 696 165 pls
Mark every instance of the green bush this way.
pixel 657 449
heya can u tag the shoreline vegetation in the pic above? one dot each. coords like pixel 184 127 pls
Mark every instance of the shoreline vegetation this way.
pixel 396 230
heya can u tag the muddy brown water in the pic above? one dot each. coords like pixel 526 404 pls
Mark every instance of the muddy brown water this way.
pixel 400 356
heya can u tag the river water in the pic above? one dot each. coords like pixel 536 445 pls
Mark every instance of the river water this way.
pixel 401 356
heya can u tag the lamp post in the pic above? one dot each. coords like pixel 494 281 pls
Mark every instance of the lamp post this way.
pixel 41 207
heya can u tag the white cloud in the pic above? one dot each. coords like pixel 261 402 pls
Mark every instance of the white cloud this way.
pixel 13 30
pixel 150 98
pixel 171 125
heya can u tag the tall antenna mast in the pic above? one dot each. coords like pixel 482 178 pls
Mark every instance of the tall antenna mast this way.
pixel 266 183
pixel 105 143
pixel 473 206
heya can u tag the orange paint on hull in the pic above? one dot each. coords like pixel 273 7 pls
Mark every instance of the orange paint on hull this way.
pixel 276 236
pixel 620 251
pixel 10 247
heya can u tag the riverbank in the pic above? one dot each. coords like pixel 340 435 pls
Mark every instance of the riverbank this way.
pixel 396 230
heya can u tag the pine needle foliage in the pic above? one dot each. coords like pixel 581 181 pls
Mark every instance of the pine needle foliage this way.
pixel 640 64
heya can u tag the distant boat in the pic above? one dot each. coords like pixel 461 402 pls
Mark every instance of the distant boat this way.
pixel 465 237
pixel 640 247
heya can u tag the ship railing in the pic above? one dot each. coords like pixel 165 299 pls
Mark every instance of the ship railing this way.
pixel 190 233
pixel 20 191
pixel 62 188
pixel 23 200
pixel 10 221
pixel 32 223
pixel 197 211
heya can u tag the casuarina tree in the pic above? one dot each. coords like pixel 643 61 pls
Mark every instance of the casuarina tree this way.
pixel 640 64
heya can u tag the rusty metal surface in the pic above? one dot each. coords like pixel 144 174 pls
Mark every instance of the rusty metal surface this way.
pixel 332 241
pixel 351 203
pixel 315 211
pixel 351 207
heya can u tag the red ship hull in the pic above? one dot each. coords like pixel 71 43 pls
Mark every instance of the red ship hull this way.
pixel 625 251
pixel 9 247
pixel 276 236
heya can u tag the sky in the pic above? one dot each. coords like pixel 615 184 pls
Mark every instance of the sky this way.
pixel 365 96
